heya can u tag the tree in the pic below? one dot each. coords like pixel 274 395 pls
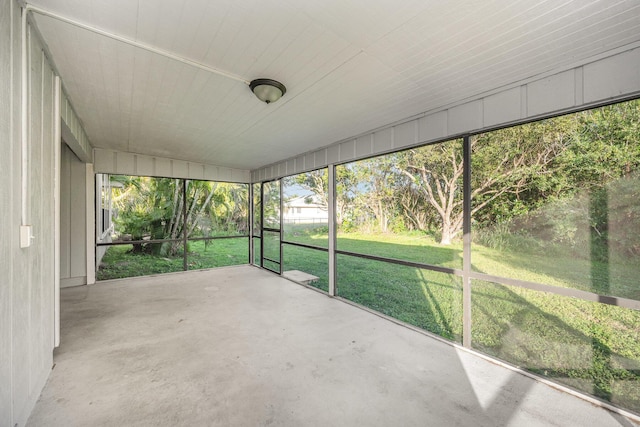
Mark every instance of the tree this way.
pixel 376 183
pixel 159 209
pixel 229 208
pixel 602 164
pixel 414 208
pixel 271 204
pixel 317 182
pixel 435 172
pixel 141 205
pixel 502 162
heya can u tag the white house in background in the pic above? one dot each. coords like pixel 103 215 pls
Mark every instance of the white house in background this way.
pixel 304 210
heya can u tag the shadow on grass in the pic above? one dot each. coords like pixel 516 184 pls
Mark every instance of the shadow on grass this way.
pixel 574 342
pixel 423 298
pixel 512 325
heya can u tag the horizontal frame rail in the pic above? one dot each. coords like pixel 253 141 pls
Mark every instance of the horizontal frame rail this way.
pixel 190 239
pixel 439 269
pixel 197 239
pixel 557 290
pixel 304 245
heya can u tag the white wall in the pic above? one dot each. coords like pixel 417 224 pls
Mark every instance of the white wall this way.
pixel 119 162
pixel 603 79
pixel 73 219
pixel 27 283
pixel 8 144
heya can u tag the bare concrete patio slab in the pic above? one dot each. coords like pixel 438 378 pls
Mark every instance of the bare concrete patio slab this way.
pixel 242 347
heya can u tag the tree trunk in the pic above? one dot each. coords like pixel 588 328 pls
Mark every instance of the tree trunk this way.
pixel 446 237
pixel 447 232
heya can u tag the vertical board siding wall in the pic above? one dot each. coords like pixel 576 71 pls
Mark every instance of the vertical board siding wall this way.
pixel 9 160
pixel 121 163
pixel 27 285
pixel 27 288
pixel 73 207
pixel 604 80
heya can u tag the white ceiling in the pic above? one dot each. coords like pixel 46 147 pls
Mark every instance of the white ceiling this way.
pixel 349 66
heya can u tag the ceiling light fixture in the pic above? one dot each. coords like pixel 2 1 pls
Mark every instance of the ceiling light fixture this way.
pixel 267 90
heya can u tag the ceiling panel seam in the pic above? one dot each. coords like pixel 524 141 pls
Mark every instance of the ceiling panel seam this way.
pixel 135 43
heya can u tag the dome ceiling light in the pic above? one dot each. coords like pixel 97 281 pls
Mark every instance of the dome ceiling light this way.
pixel 267 90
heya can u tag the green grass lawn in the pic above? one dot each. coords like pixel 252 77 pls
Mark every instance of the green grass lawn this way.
pixel 616 278
pixel 120 262
pixel 414 247
pixel 589 346
pixel 424 298
pixel 310 261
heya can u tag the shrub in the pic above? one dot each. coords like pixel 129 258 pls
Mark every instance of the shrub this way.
pixel 502 237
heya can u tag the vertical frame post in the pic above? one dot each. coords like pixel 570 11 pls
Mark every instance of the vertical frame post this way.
pixel 57 118
pixel 90 222
pixel 184 225
pixel 251 207
pixel 280 214
pixel 466 254
pixel 262 224
pixel 331 196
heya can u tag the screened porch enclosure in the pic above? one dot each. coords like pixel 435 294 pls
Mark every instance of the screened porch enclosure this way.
pixel 339 204
pixel 518 243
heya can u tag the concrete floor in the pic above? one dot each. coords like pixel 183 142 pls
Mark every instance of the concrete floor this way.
pixel 242 347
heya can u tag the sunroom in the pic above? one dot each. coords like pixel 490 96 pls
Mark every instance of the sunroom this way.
pixel 301 213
